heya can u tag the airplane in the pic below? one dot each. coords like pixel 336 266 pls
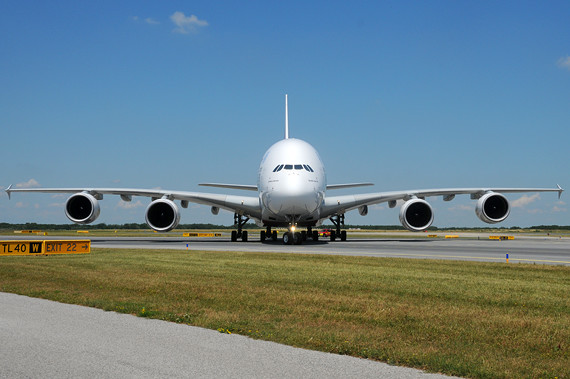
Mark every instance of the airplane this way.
pixel 292 193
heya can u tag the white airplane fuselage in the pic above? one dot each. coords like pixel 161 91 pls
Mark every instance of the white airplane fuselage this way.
pixel 291 184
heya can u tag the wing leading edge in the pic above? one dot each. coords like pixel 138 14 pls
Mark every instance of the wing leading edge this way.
pixel 239 204
pixel 340 204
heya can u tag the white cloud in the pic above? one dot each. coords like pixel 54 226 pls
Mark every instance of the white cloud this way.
pixel 564 62
pixel 20 204
pixel 129 204
pixel 29 184
pixel 151 21
pixel 185 25
pixel 525 200
pixel 557 209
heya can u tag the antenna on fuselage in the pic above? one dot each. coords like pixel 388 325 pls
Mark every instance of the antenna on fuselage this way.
pixel 286 119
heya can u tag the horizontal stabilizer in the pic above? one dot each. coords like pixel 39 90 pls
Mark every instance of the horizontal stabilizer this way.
pixel 232 186
pixel 349 185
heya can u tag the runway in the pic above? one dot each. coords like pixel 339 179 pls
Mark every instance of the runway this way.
pixel 470 247
pixel 549 250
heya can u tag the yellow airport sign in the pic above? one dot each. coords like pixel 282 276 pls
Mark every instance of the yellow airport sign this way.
pixel 21 247
pixel 201 234
pixel 501 238
pixel 67 247
pixel 47 247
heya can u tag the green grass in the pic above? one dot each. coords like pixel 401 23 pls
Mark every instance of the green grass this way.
pixel 483 320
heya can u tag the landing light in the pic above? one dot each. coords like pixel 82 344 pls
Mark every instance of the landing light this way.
pixel 293 228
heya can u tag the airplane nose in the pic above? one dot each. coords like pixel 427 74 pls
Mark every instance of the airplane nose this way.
pixel 293 196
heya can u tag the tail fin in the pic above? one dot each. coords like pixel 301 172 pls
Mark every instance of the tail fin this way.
pixel 286 119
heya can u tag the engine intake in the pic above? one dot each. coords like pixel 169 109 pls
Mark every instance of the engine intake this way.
pixel 416 215
pixel 492 208
pixel 162 215
pixel 82 208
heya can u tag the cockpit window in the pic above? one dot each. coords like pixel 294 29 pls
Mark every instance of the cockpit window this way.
pixel 291 167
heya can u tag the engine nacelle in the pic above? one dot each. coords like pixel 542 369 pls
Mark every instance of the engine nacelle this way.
pixel 363 210
pixel 492 207
pixel 215 210
pixel 162 215
pixel 82 208
pixel 416 215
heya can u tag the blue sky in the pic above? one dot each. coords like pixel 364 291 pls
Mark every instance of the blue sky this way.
pixel 404 94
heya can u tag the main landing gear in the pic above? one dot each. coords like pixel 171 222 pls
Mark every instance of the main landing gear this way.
pixel 338 221
pixel 264 234
pixel 239 221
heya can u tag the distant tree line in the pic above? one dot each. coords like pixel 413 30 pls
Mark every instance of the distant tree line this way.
pixel 142 226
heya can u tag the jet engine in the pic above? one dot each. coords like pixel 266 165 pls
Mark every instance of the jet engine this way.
pixel 363 210
pixel 416 215
pixel 492 208
pixel 82 208
pixel 162 215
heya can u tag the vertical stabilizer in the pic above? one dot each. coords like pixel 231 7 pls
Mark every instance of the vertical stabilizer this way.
pixel 286 119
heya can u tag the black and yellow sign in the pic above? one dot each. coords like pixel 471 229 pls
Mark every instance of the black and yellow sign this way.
pixel 201 234
pixel 45 247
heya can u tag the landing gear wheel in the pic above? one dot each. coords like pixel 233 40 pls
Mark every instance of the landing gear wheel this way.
pixel 287 238
pixel 343 235
pixel 303 236
pixel 315 235
pixel 234 236
pixel 274 235
pixel 297 238
pixel 244 236
pixel 333 235
pixel 262 235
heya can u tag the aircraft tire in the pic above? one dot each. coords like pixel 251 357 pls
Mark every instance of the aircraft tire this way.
pixel 234 236
pixel 297 238
pixel 333 235
pixel 343 235
pixel 244 236
pixel 315 235
pixel 274 235
pixel 262 235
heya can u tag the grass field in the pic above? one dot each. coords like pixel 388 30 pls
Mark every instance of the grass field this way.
pixel 482 320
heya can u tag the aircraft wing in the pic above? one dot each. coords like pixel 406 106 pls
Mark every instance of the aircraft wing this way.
pixel 247 205
pixel 246 187
pixel 348 185
pixel 340 204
